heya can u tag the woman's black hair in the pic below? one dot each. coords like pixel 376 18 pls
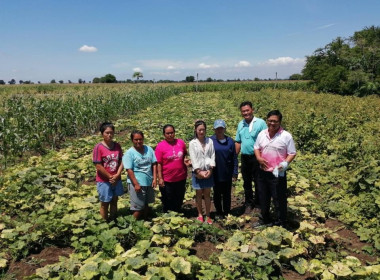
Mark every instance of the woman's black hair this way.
pixel 198 123
pixel 166 126
pixel 136 132
pixel 104 126
pixel 275 113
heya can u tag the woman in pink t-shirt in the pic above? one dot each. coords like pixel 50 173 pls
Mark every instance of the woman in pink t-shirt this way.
pixel 171 169
pixel 107 157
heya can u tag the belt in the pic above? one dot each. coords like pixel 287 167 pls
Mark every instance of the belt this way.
pixel 248 156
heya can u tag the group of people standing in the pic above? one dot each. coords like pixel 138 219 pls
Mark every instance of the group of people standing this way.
pixel 266 151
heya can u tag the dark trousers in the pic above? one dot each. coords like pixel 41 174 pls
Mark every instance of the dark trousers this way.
pixel 272 187
pixel 172 195
pixel 222 197
pixel 249 170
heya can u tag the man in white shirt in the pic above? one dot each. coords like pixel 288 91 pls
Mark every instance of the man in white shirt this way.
pixel 274 150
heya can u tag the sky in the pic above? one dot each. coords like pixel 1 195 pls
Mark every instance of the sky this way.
pixel 41 40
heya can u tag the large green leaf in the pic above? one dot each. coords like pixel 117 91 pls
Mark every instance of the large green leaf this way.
pixel 340 269
pixel 230 259
pixel 89 270
pixel 300 265
pixel 180 265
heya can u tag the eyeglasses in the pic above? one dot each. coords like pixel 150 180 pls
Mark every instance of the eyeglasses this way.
pixel 272 121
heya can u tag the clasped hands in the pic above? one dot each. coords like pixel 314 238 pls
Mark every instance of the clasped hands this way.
pixel 203 174
pixel 113 179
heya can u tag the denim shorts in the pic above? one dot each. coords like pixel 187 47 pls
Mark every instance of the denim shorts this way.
pixel 199 184
pixel 106 191
pixel 140 199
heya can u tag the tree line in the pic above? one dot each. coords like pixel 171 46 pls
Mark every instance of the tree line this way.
pixel 347 66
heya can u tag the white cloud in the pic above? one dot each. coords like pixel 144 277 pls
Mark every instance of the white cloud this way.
pixel 207 66
pixel 166 74
pixel 325 26
pixel 243 63
pixel 137 69
pixel 160 64
pixel 86 48
pixel 284 60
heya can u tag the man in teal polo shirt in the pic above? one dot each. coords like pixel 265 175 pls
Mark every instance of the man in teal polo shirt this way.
pixel 247 131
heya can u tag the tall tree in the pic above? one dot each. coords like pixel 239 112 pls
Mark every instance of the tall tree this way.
pixel 137 75
pixel 109 78
pixel 347 66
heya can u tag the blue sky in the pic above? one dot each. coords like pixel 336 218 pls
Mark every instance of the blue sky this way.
pixel 41 40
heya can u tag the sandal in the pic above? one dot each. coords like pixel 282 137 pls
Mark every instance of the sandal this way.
pixel 209 221
pixel 200 218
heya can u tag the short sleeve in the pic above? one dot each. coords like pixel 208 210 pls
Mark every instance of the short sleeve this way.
pixel 159 153
pixel 291 148
pixel 154 159
pixel 96 154
pixel 256 146
pixel 120 150
pixel 237 137
pixel 128 160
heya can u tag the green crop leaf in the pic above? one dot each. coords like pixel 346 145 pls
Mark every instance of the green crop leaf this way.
pixel 159 239
pixel 289 253
pixel 244 248
pixel 352 261
pixel 9 234
pixel 180 265
pixel 89 270
pixel 3 263
pixel 184 243
pixel 119 249
pixel 131 275
pixel 368 270
pixel 316 266
pixel 230 259
pixel 135 263
pixel 157 228
pixel 43 272
pixel 104 268
pixel 300 266
pixel 317 239
pixel 273 235
pixel 263 261
pixel 154 272
pixel 260 242
pixel 340 269
pixel 143 245
pixel 327 275
pixel 131 253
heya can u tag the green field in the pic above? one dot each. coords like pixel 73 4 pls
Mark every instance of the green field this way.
pixel 51 200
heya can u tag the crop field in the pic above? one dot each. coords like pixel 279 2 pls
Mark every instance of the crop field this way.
pixel 48 198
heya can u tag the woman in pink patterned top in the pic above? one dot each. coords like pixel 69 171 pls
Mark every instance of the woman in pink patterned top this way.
pixel 107 157
pixel 171 169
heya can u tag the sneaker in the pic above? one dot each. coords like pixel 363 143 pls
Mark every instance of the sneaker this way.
pixel 200 218
pixel 209 221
